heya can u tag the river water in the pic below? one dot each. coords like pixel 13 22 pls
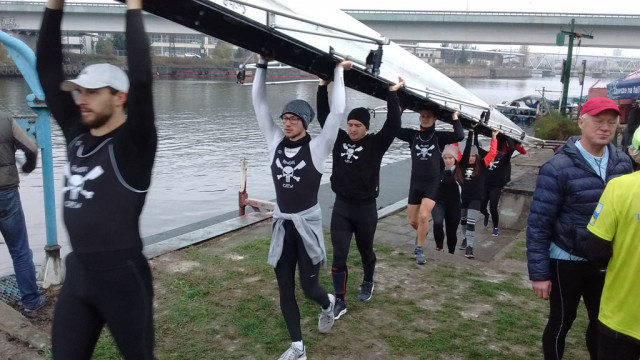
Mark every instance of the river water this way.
pixel 205 129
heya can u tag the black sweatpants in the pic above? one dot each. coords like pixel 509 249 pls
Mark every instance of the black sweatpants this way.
pixel 491 197
pixel 447 214
pixel 120 297
pixel 352 219
pixel 570 281
pixel 293 252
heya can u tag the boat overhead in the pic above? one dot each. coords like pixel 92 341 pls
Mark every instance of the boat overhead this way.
pixel 313 38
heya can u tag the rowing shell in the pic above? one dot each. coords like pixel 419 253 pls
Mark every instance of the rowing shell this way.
pixel 313 38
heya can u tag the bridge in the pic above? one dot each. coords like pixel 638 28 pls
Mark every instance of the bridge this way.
pixel 85 23
pixel 507 28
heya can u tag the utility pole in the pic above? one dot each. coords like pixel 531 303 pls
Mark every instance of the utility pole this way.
pixel 567 70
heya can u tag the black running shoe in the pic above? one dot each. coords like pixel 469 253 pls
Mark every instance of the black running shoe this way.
pixel 339 309
pixel 366 291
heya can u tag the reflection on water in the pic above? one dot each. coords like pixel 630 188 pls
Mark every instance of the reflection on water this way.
pixel 205 129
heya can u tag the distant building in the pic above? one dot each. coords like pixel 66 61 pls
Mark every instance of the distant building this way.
pixel 182 45
pixel 475 57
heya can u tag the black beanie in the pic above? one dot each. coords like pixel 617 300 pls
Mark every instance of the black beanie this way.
pixel 361 114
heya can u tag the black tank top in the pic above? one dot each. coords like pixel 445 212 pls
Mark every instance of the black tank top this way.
pixel 101 211
pixel 296 179
pixel 425 156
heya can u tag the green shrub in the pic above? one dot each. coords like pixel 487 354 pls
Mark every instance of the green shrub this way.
pixel 555 126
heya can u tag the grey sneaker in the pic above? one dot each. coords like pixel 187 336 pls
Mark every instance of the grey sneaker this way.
pixel 339 309
pixel 464 244
pixel 33 312
pixel 366 290
pixel 420 256
pixel 469 252
pixel 326 317
pixel 293 353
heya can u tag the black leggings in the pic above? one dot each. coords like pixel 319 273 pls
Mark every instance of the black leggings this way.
pixel 491 197
pixel 447 214
pixel 613 345
pixel 293 252
pixel 120 297
pixel 359 220
pixel 571 280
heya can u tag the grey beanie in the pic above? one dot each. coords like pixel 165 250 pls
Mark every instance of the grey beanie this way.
pixel 474 150
pixel 301 109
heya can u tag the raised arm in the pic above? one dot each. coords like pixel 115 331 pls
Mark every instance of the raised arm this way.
pixel 467 149
pixel 141 117
pixel 392 124
pixel 448 137
pixel 322 101
pixel 322 144
pixel 272 133
pixel 49 66
pixel 493 149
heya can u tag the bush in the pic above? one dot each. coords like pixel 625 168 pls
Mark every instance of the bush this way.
pixel 555 126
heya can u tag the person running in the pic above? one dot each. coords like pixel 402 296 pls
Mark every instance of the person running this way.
pixel 426 147
pixel 297 163
pixel 446 212
pixel 498 175
pixel 567 190
pixel 355 179
pixel 12 224
pixel 612 242
pixel 106 179
pixel 474 169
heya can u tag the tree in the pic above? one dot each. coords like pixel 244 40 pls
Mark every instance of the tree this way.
pixel 104 47
pixel 119 42
pixel 524 50
pixel 241 53
pixel 4 56
pixel 464 57
pixel 223 50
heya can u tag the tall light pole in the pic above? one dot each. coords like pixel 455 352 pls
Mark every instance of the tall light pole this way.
pixel 567 70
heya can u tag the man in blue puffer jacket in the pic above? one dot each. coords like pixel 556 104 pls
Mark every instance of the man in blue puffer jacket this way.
pixel 568 188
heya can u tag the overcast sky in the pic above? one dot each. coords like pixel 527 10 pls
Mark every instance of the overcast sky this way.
pixel 625 7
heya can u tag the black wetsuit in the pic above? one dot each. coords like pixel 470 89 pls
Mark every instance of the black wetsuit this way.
pixel 498 175
pixel 106 179
pixel 426 154
pixel 447 211
pixel 355 179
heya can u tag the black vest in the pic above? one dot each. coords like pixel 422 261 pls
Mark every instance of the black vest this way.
pixel 296 179
pixel 101 211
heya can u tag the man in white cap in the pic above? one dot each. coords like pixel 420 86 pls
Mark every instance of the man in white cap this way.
pixel 567 190
pixel 107 176
pixel 612 242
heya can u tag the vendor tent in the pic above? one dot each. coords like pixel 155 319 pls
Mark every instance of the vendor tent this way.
pixel 625 88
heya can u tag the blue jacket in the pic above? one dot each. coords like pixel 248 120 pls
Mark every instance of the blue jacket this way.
pixel 567 192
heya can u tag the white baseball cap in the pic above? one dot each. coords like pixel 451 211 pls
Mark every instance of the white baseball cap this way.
pixel 97 76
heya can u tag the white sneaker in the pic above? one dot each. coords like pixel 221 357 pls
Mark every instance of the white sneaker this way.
pixel 326 317
pixel 293 353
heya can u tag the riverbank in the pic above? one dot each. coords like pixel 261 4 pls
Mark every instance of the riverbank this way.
pixel 216 70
